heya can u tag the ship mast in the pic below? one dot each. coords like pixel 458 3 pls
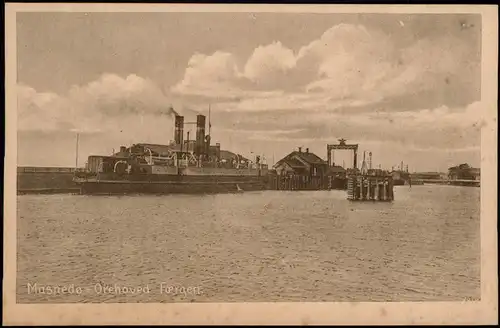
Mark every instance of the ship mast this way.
pixel 209 122
pixel 77 140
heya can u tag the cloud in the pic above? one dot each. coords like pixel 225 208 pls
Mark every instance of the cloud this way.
pixel 206 74
pixel 114 96
pixel 273 66
pixel 215 76
pixel 468 117
pixel 39 110
pixel 430 64
pixel 269 60
pixel 440 128
pixel 276 101
pixel 350 82
pixel 349 59
pixel 347 66
pixel 111 103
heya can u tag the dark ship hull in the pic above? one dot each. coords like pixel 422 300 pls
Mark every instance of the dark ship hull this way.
pixel 109 187
pixel 170 184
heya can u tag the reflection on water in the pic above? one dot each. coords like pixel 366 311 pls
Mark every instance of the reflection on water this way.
pixel 255 246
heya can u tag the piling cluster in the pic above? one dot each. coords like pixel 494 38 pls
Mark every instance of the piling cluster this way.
pixel 374 188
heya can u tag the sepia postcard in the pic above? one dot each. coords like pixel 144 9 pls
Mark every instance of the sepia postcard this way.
pixel 250 164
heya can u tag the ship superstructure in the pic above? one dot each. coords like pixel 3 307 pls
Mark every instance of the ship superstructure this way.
pixel 184 165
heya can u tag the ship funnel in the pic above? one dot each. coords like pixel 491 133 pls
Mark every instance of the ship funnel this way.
pixel 179 129
pixel 200 134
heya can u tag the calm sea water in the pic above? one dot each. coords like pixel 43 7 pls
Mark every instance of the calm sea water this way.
pixel 256 246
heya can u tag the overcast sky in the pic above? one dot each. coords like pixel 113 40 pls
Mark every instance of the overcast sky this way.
pixel 406 87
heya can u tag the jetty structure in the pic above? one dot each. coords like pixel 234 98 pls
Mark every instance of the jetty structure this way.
pixel 368 184
pixel 301 170
pixel 375 185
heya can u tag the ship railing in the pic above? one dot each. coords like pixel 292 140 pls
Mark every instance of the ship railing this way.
pixel 35 169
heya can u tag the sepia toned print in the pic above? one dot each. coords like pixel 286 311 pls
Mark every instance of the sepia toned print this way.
pixel 179 158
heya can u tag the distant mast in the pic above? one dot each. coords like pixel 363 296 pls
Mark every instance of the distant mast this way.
pixel 209 121
pixel 77 140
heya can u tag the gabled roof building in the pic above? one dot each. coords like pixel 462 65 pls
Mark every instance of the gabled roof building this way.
pixel 302 163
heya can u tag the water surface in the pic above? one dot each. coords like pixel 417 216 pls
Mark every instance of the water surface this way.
pixel 255 246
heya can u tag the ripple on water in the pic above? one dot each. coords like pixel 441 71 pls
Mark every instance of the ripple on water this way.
pixel 268 246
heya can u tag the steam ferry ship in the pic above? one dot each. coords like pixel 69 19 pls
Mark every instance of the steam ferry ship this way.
pixel 183 166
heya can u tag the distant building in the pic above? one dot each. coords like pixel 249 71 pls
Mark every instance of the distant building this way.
pixel 337 171
pixel 400 175
pixel 476 173
pixel 427 176
pixel 302 163
pixel 464 172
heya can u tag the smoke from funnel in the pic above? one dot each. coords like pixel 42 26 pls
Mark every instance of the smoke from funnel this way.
pixel 172 111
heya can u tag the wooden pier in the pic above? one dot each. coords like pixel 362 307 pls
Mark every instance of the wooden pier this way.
pixel 297 182
pixel 301 182
pixel 455 182
pixel 370 188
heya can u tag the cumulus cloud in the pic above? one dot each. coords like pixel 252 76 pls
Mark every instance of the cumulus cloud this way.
pixel 114 96
pixel 39 110
pixel 350 82
pixel 111 103
pixel 269 60
pixel 270 67
pixel 347 65
pixel 216 75
pixel 349 60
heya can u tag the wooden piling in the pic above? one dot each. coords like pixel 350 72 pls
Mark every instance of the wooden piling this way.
pixel 369 187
